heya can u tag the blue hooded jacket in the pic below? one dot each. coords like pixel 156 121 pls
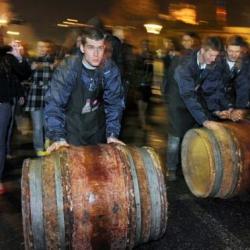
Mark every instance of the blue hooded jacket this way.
pixel 60 89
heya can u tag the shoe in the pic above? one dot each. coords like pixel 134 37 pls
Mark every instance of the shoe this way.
pixel 3 190
pixel 9 156
pixel 41 153
pixel 172 175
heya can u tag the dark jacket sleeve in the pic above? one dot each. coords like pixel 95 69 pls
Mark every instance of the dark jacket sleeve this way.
pixel 214 91
pixel 20 71
pixel 113 99
pixel 57 96
pixel 242 88
pixel 224 100
pixel 186 83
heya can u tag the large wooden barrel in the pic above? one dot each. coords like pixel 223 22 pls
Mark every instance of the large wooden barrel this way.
pixel 93 197
pixel 216 163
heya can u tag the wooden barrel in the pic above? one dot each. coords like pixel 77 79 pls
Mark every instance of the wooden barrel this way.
pixel 216 163
pixel 93 197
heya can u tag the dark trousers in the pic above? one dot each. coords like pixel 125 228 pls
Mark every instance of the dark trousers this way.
pixel 5 114
pixel 173 152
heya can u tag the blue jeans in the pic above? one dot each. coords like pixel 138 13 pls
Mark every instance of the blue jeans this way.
pixel 11 124
pixel 5 114
pixel 38 129
pixel 173 152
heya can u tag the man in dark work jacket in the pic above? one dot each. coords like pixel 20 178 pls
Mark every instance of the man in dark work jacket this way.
pixel 84 102
pixel 234 68
pixel 191 97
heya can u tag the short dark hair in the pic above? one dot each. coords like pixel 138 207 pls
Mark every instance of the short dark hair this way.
pixel 212 42
pixel 192 34
pixel 92 33
pixel 237 41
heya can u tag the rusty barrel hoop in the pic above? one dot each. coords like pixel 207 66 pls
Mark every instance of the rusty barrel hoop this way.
pixel 215 163
pixel 94 197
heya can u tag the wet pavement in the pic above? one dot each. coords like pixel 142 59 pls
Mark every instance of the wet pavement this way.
pixel 193 223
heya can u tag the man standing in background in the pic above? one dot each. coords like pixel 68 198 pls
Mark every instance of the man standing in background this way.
pixel 42 68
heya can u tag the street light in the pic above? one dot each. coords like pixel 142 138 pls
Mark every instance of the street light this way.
pixel 153 28
pixel 13 33
pixel 62 25
pixel 3 22
pixel 72 20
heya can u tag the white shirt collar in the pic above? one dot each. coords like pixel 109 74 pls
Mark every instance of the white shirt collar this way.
pixel 200 65
pixel 230 64
pixel 87 65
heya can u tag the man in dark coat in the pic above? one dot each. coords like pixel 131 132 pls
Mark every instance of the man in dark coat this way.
pixel 191 97
pixel 84 102
pixel 234 68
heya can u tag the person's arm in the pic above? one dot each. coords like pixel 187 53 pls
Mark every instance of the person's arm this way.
pixel 242 88
pixel 19 64
pixel 56 99
pixel 113 101
pixel 20 70
pixel 186 83
pixel 210 125
pixel 238 110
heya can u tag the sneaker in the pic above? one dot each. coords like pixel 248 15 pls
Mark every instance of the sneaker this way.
pixel 9 156
pixel 3 190
pixel 172 175
pixel 41 153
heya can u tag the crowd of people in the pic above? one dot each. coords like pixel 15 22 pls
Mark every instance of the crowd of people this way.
pixel 77 97
pixel 203 85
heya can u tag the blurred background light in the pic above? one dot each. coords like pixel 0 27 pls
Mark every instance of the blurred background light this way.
pixel 153 28
pixel 72 20
pixel 13 33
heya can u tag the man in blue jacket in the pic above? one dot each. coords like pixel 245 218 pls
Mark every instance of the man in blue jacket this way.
pixel 234 69
pixel 191 97
pixel 84 102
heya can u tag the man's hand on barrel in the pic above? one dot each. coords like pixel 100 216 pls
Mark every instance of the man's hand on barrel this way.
pixel 238 114
pixel 114 140
pixel 210 124
pixel 224 114
pixel 56 145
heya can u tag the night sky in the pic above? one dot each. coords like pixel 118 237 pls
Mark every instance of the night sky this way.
pixel 43 15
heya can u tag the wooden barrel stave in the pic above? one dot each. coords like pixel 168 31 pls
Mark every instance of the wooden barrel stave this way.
pixel 28 239
pixel 154 195
pixel 162 191
pixel 135 201
pixel 67 198
pixel 217 160
pixel 144 197
pixel 36 204
pixel 240 135
pixel 131 182
pixel 49 204
pixel 229 160
pixel 59 202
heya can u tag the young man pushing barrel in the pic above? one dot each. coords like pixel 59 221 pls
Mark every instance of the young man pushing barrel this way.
pixel 84 102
